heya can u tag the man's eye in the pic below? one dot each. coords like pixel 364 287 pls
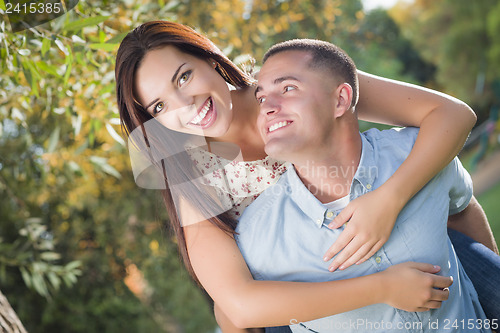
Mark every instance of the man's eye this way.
pixel 288 88
pixel 261 100
pixel 184 77
pixel 158 108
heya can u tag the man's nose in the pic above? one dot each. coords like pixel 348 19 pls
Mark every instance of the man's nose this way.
pixel 270 106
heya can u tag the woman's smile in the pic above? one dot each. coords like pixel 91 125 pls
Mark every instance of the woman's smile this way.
pixel 206 116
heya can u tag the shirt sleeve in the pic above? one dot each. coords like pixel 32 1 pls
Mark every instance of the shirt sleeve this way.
pixel 461 187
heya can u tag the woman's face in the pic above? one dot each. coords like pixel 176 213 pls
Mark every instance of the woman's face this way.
pixel 184 92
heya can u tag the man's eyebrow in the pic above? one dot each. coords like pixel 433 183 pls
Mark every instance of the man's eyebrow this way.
pixel 278 81
pixel 285 78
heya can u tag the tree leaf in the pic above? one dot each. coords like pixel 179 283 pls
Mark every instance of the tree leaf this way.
pixel 53 140
pixel 61 47
pixel 117 39
pixel 103 46
pixel 45 45
pixel 73 265
pixel 88 21
pixel 50 256
pixel 26 276
pixel 54 280
pixel 115 135
pixel 47 68
pixel 39 284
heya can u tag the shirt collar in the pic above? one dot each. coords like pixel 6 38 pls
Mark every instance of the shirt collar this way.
pixel 310 205
pixel 303 198
pixel 367 170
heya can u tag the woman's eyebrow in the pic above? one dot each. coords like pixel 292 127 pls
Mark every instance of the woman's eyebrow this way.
pixel 153 102
pixel 177 72
pixel 173 80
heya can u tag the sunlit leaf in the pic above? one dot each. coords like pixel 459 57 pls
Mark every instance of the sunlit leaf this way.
pixel 53 140
pixel 50 256
pixel 24 52
pixel 45 46
pixel 26 277
pixel 61 47
pixel 117 39
pixel 115 135
pixel 73 265
pixel 47 68
pixel 54 280
pixel 39 284
pixel 77 25
pixel 104 46
pixel 104 166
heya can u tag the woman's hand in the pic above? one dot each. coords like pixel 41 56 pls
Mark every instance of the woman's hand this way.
pixel 412 286
pixel 371 218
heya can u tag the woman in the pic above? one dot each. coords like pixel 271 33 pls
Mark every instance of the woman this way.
pixel 168 71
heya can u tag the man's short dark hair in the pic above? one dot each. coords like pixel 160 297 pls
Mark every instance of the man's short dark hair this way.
pixel 324 56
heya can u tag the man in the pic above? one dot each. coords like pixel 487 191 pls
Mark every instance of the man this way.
pixel 307 91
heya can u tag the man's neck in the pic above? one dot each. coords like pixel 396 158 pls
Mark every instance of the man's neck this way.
pixel 329 174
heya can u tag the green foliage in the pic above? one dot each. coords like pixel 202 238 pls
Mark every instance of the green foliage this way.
pixel 461 38
pixel 75 229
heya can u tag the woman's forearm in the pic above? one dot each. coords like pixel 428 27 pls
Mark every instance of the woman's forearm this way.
pixel 273 303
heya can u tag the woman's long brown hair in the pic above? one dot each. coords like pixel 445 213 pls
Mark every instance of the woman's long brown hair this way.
pixel 150 36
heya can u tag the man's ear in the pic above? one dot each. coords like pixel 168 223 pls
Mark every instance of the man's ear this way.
pixel 343 95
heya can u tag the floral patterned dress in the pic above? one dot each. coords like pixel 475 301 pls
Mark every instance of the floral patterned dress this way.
pixel 237 183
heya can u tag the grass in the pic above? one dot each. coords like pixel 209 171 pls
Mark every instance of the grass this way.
pixel 490 200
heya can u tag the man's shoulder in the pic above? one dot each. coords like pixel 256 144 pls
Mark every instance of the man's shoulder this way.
pixel 396 135
pixel 397 141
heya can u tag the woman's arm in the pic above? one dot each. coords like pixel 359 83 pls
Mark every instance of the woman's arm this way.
pixel 444 122
pixel 227 326
pixel 220 268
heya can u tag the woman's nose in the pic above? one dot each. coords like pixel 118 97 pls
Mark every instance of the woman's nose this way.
pixel 181 101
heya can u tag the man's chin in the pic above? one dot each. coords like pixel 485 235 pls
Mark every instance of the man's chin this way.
pixel 277 151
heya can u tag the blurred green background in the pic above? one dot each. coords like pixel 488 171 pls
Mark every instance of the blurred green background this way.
pixel 82 248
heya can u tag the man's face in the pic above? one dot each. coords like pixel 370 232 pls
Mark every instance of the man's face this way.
pixel 296 106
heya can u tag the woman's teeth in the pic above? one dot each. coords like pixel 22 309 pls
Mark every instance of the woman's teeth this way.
pixel 197 120
pixel 279 125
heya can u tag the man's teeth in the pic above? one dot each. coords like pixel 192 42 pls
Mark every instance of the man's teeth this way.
pixel 278 125
pixel 202 114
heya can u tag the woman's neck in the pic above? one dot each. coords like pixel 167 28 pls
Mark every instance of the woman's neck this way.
pixel 243 130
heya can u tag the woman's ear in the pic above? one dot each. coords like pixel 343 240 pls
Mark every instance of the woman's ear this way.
pixel 343 96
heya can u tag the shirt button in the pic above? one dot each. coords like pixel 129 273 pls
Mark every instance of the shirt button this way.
pixel 319 222
pixel 378 260
pixel 329 215
pixel 368 186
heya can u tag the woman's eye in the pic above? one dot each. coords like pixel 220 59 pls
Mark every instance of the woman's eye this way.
pixel 184 77
pixel 158 108
pixel 288 88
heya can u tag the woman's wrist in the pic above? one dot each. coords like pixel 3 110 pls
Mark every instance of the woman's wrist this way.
pixel 394 194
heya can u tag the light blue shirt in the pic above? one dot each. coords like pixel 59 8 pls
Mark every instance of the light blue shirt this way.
pixel 283 236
